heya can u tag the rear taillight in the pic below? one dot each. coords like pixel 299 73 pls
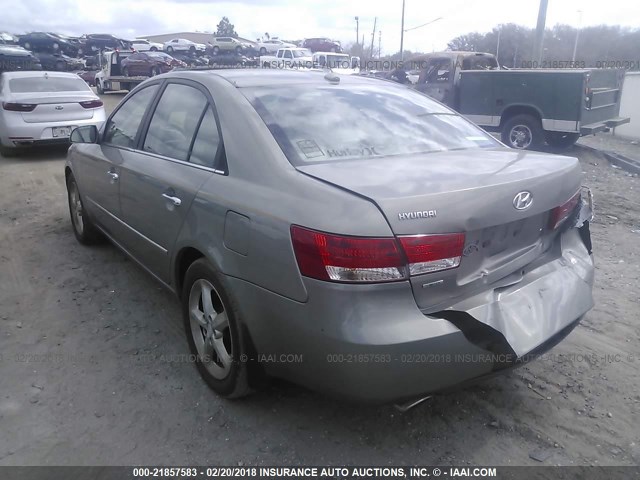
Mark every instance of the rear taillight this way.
pixel 92 103
pixel 368 260
pixel 347 259
pixel 432 253
pixel 18 107
pixel 560 214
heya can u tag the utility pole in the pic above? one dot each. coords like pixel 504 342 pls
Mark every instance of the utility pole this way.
pixel 498 47
pixel 402 34
pixel 575 46
pixel 542 20
pixel 357 30
pixel 373 36
pixel 379 44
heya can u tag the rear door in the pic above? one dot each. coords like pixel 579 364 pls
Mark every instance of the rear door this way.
pixel 159 182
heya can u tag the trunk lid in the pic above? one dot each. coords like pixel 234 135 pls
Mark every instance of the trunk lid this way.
pixel 470 191
pixel 55 107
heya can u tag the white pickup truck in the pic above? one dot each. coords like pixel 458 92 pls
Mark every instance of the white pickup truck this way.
pixel 288 58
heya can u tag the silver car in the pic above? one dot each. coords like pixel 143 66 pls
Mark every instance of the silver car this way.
pixel 42 108
pixel 351 235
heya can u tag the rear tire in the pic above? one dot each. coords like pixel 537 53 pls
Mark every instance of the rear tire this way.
pixel 60 66
pixel 216 49
pixel 153 49
pixel 154 71
pixel 238 50
pixel 170 49
pixel 523 132
pixel 27 46
pixel 125 71
pixel 263 51
pixel 99 88
pixel 214 332
pixel 561 140
pixel 83 228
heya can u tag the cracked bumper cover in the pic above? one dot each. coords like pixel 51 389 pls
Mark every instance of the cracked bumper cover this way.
pixel 371 342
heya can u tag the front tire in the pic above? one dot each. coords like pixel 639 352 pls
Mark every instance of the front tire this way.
pixel 263 51
pixel 216 49
pixel 170 49
pixel 60 66
pixel 561 140
pixel 214 332
pixel 523 132
pixel 99 88
pixel 83 228
pixel 125 71
pixel 153 49
pixel 154 71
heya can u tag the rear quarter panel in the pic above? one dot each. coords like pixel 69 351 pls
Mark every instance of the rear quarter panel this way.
pixel 264 187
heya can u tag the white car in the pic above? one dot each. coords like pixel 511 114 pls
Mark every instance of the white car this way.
pixel 146 46
pixel 183 45
pixel 43 108
pixel 272 45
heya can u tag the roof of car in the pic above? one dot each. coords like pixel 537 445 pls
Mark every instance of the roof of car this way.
pixel 243 78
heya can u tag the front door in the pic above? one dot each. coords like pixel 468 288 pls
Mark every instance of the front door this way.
pixel 100 169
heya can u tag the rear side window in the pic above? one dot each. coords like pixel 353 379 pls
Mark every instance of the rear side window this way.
pixel 122 128
pixel 47 84
pixel 207 140
pixel 174 123
pixel 345 122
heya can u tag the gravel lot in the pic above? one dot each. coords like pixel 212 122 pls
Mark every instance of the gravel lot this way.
pixel 78 326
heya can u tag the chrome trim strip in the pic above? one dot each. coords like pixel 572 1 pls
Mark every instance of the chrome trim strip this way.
pixel 489 120
pixel 560 125
pixel 162 249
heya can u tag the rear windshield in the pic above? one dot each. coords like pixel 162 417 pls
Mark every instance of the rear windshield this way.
pixel 50 84
pixel 332 123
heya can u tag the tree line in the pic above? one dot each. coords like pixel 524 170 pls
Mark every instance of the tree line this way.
pixel 596 45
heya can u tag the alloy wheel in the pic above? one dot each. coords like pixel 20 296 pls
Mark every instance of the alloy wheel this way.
pixel 210 329
pixel 520 136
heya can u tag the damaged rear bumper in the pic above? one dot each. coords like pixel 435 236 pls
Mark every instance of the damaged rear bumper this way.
pixel 371 343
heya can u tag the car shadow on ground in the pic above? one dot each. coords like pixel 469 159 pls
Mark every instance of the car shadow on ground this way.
pixel 36 154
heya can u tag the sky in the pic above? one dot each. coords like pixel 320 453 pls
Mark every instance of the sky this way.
pixel 297 19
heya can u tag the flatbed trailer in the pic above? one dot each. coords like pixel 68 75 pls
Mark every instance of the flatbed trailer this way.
pixel 110 78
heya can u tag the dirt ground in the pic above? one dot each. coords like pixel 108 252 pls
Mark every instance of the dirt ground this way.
pixel 77 387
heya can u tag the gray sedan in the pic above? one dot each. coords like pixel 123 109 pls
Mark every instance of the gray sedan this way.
pixel 351 235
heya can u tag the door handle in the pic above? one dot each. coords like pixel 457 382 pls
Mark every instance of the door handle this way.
pixel 176 201
pixel 114 176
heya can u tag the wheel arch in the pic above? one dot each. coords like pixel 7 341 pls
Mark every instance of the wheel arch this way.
pixel 67 173
pixel 183 260
pixel 513 110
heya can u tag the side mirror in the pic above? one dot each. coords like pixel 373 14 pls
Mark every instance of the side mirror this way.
pixel 86 134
